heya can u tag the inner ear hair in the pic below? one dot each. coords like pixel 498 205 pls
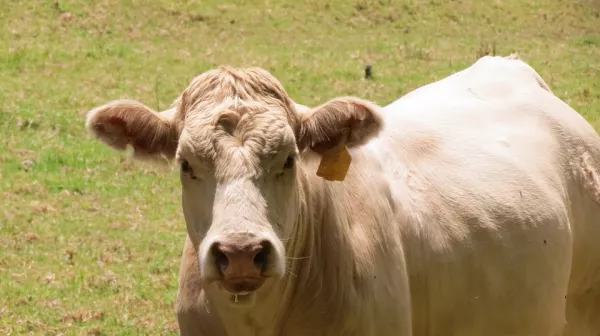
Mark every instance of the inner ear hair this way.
pixel 338 140
pixel 124 123
pixel 324 126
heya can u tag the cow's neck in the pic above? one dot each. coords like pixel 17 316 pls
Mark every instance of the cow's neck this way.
pixel 313 293
pixel 341 241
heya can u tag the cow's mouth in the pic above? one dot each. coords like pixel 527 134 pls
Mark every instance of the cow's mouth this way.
pixel 241 291
pixel 242 286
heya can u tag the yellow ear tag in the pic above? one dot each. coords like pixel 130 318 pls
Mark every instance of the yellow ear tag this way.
pixel 335 161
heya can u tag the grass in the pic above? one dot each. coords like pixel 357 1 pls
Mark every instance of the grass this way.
pixel 89 242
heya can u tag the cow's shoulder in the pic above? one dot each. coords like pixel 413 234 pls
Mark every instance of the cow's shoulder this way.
pixel 490 77
pixel 501 75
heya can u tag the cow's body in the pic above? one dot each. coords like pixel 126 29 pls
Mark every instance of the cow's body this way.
pixel 502 197
pixel 475 211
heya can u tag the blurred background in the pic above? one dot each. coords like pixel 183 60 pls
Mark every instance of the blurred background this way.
pixel 90 242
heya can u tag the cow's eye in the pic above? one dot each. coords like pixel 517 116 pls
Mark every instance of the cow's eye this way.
pixel 185 167
pixel 290 162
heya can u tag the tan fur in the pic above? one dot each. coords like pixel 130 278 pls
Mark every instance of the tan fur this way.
pixel 470 208
pixel 231 85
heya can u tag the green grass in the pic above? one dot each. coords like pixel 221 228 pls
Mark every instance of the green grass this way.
pixel 89 242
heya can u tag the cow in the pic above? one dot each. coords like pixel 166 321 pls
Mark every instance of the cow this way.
pixel 469 206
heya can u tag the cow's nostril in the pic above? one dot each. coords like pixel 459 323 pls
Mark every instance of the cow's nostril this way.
pixel 221 259
pixel 262 258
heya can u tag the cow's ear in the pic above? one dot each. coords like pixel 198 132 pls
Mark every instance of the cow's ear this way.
pixel 123 123
pixel 347 118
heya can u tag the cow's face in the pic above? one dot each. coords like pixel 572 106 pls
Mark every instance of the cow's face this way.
pixel 237 138
pixel 240 197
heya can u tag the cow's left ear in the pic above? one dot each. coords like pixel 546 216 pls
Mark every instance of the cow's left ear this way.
pixel 326 125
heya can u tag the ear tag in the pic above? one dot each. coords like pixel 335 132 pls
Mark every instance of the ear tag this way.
pixel 335 161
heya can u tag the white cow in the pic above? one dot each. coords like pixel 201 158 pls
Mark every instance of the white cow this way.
pixel 470 206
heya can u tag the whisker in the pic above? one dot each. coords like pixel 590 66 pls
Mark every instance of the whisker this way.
pixel 297 258
pixel 287 270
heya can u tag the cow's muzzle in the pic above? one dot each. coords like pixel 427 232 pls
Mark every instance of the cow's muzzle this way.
pixel 243 261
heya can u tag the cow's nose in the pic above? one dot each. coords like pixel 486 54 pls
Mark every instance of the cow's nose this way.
pixel 241 256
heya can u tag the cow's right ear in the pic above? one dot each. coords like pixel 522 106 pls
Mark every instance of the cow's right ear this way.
pixel 123 123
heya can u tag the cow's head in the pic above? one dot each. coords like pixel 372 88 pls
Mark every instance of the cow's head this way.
pixel 238 139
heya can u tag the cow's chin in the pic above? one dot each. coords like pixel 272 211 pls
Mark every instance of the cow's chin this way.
pixel 241 291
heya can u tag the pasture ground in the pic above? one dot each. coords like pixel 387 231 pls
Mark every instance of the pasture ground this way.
pixel 89 242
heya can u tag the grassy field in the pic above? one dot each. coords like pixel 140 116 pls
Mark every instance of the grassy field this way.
pixel 89 242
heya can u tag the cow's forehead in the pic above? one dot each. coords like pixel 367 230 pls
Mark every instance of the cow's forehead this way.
pixel 261 132
pixel 229 110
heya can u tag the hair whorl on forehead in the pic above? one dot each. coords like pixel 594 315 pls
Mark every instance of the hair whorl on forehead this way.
pixel 247 84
